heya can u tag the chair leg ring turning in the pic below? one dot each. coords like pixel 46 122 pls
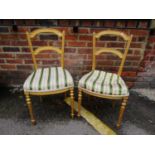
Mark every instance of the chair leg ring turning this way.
pixel 72 102
pixel 29 104
pixel 122 109
pixel 79 102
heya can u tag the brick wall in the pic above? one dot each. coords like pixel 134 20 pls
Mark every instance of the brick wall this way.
pixel 15 57
pixel 146 74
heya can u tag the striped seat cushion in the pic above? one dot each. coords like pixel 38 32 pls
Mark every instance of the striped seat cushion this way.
pixel 104 83
pixel 48 79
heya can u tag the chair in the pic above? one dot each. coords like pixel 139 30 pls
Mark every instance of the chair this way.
pixel 104 84
pixel 48 80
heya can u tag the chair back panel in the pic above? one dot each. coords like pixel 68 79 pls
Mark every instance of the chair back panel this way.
pixel 35 52
pixel 97 51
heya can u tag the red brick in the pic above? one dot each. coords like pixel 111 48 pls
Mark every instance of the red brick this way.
pixel 19 43
pixel 129 74
pixel 105 62
pixel 83 30
pixel 143 24
pixel 64 22
pixel 151 39
pixel 69 50
pixel 115 44
pixel 24 67
pixel 39 43
pixel 24 56
pixel 23 29
pixel 4 55
pixel 76 44
pixel 84 37
pixel 136 52
pixel 9 36
pixel 136 45
pixel 2 61
pixel 139 32
pixel 25 49
pixel 133 57
pixel 62 29
pixel 4 43
pixel 86 23
pixel 130 84
pixel 71 37
pixel 15 61
pixel 131 24
pixel 28 61
pixel 8 66
pixel 109 23
pixel 85 51
pixel 43 56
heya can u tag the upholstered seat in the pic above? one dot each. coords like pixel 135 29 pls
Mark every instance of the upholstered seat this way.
pixel 104 83
pixel 48 79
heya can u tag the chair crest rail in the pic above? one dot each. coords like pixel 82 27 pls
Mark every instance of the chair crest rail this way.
pixel 38 31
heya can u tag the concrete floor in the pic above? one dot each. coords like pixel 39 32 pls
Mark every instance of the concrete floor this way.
pixel 146 92
pixel 53 115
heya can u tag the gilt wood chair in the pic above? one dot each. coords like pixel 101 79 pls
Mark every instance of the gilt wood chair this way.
pixel 48 80
pixel 104 84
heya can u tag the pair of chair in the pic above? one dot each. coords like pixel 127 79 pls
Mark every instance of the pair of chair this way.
pixel 55 80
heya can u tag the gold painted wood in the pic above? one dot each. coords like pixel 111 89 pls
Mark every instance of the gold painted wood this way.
pixel 112 32
pixel 79 102
pixel 29 104
pixel 116 97
pixel 122 109
pixel 35 52
pixel 94 50
pixel 122 56
pixel 72 102
pixel 49 92
pixel 31 49
pixel 45 48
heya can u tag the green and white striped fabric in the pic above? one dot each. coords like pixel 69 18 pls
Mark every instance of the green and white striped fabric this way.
pixel 104 83
pixel 48 79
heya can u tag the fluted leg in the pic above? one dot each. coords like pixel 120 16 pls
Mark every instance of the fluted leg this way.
pixel 72 102
pixel 122 109
pixel 79 102
pixel 29 104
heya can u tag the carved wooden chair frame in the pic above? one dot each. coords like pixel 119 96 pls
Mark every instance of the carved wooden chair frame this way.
pixel 96 52
pixel 35 52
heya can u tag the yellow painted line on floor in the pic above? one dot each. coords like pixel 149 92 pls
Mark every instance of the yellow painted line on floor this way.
pixel 102 128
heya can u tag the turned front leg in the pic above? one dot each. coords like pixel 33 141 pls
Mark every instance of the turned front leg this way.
pixel 122 109
pixel 72 102
pixel 29 104
pixel 79 102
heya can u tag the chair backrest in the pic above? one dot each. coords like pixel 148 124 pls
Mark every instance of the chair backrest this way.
pixel 122 55
pixel 35 52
